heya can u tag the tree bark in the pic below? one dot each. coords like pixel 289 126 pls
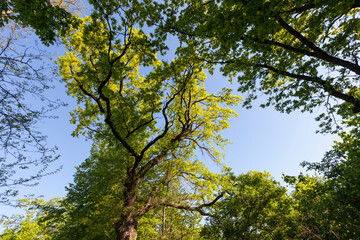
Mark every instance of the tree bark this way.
pixel 126 228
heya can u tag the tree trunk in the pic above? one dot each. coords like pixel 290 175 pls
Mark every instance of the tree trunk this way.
pixel 127 231
pixel 126 228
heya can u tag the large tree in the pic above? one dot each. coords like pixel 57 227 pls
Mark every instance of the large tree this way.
pixel 156 120
pixel 302 54
pixel 94 201
pixel 335 199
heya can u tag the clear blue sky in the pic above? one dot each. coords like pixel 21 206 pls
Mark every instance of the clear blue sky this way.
pixel 263 140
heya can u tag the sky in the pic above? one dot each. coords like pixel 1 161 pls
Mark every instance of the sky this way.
pixel 262 140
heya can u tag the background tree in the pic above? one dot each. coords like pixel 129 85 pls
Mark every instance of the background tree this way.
pixel 315 209
pixel 157 120
pixel 29 226
pixel 254 207
pixel 338 193
pixel 25 76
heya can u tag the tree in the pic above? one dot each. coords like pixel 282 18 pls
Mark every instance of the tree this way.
pixel 155 121
pixel 93 202
pixel 315 208
pixel 302 54
pixel 25 75
pixel 254 207
pixel 339 190
pixel 47 18
pixel 29 226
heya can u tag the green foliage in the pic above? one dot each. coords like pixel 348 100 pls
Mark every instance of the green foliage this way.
pixel 151 124
pixel 255 207
pixel 302 54
pixel 337 206
pixel 30 226
pixel 147 117
pixel 94 199
pixel 46 18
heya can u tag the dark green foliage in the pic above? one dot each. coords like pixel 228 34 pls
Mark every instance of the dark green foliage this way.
pixel 45 18
pixel 302 54
pixel 256 207
pixel 339 195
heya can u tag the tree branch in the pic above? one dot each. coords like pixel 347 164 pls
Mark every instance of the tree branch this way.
pixel 318 52
pixel 325 85
pixel 199 208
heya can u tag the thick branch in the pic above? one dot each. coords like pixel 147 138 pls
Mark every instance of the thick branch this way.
pixel 167 124
pixel 199 208
pixel 318 52
pixel 108 105
pixel 326 86
pixel 87 93
pixel 303 8
pixel 166 127
pixel 138 127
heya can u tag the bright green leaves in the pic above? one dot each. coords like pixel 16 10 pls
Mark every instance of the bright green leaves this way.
pixel 34 224
pixel 91 60
pixel 172 90
pixel 152 115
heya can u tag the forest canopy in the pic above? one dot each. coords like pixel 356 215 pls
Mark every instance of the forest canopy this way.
pixel 143 104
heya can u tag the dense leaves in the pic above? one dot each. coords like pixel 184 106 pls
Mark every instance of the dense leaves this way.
pixel 255 207
pixel 46 17
pixel 156 120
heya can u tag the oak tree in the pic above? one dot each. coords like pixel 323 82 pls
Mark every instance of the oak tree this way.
pixel 156 113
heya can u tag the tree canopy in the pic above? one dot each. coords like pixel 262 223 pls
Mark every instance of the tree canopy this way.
pixel 149 117
pixel 302 54
pixel 255 207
